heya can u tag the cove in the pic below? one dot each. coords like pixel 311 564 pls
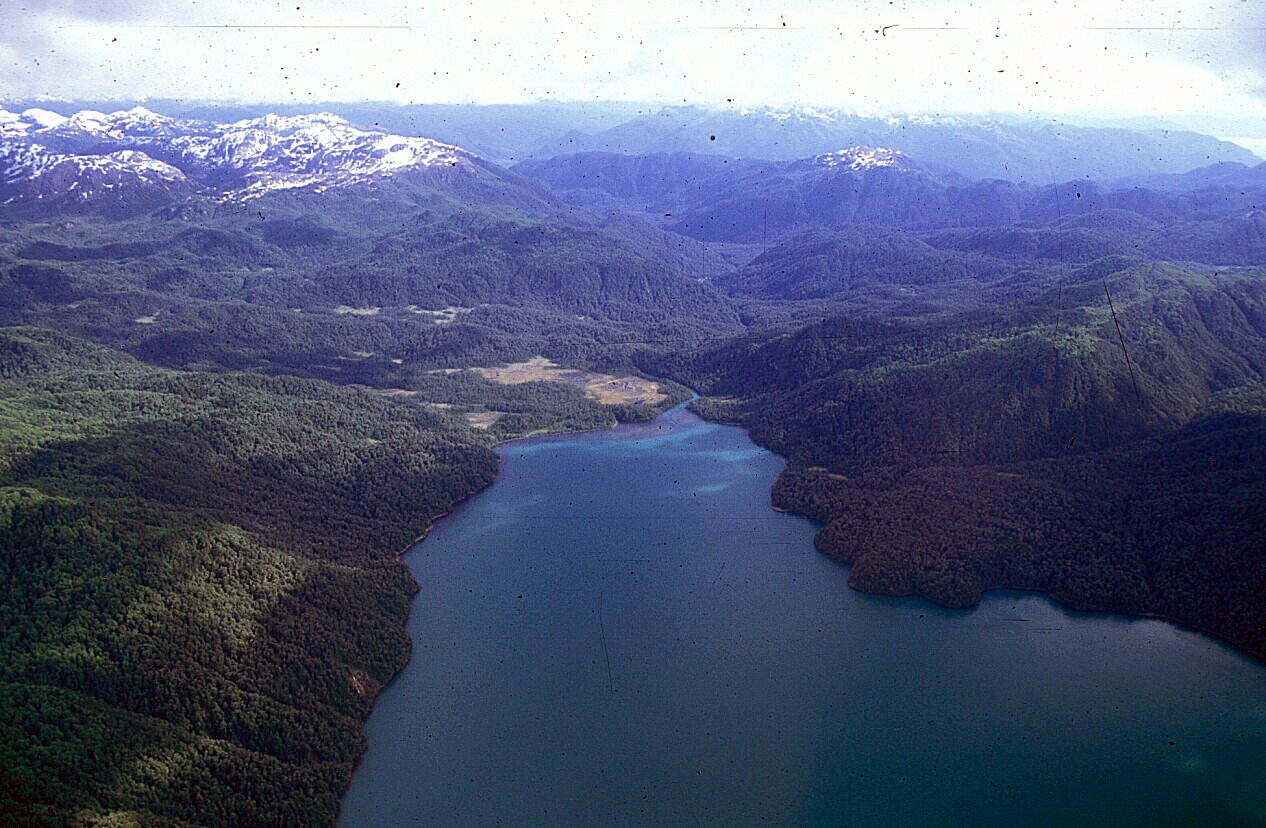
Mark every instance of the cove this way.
pixel 620 630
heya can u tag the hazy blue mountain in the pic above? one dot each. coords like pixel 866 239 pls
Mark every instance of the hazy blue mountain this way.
pixel 1226 174
pixel 1037 150
pixel 719 199
pixel 656 182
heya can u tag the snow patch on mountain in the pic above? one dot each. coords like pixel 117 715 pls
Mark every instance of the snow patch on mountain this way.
pixel 237 161
pixel 14 125
pixel 864 158
pixel 788 114
pixel 31 171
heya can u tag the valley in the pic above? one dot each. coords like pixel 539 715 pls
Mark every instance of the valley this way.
pixel 586 603
pixel 244 363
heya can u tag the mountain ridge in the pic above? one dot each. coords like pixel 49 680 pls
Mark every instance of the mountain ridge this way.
pixel 1018 149
pixel 238 161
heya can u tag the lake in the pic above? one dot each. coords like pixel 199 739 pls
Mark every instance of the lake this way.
pixel 620 630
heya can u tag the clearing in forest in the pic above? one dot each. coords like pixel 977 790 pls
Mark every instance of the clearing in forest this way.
pixel 605 388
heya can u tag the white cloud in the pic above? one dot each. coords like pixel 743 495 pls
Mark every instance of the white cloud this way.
pixel 1122 57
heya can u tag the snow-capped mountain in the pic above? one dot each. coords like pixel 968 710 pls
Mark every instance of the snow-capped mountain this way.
pixel 45 156
pixel 1014 149
pixel 14 125
pixel 863 158
pixel 31 172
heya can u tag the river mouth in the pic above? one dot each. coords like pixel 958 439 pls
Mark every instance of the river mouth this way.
pixel 621 631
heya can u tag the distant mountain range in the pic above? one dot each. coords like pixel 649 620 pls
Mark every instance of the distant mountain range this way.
pixel 139 156
pixel 136 161
pixel 1018 150
pixel 718 199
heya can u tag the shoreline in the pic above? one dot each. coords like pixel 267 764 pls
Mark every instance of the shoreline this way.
pixel 544 435
pixel 1064 606
pixel 1256 657
pixel 985 591
pixel 430 527
pixel 1057 602
pixel 1053 600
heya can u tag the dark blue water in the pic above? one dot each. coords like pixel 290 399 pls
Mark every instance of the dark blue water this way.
pixel 621 631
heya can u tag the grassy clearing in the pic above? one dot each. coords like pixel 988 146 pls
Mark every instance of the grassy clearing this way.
pixel 604 388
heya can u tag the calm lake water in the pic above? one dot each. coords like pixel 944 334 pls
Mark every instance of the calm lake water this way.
pixel 621 631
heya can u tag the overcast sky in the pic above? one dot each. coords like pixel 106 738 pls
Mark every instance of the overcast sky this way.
pixel 1096 58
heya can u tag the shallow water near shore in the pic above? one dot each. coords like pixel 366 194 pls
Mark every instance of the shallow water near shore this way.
pixel 620 630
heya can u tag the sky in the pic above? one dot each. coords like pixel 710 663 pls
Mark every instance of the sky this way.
pixel 1098 58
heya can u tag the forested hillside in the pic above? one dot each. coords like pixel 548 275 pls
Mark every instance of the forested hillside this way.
pixel 340 289
pixel 843 264
pixel 201 592
pixel 239 375
pixel 1102 443
pixel 1170 527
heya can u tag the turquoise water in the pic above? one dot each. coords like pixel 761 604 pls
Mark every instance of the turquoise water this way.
pixel 621 631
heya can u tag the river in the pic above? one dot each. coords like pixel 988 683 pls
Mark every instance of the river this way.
pixel 620 630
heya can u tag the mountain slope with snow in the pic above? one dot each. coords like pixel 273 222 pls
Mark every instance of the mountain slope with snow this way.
pixel 1016 148
pixel 122 180
pixel 46 157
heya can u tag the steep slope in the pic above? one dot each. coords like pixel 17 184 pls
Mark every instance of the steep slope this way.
pixel 1170 527
pixel 1039 448
pixel 1000 387
pixel 201 596
pixel 120 182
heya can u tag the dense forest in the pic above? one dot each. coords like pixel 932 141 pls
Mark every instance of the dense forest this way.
pixel 1103 443
pixel 221 417
pixel 1171 527
pixel 201 590
pixel 352 295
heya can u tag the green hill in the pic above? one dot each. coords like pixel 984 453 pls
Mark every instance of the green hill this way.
pixel 1026 449
pixel 201 594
